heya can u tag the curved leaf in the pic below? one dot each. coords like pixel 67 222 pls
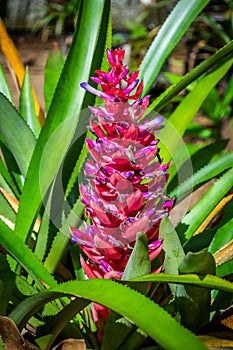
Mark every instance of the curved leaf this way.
pixel 4 88
pixel 27 106
pixel 62 238
pixel 207 281
pixel 24 256
pixel 191 299
pixel 6 210
pixel 217 58
pixel 179 120
pixel 169 35
pixel 191 221
pixel 17 134
pixel 223 235
pixel 63 116
pixel 53 68
pixel 204 174
pixel 124 301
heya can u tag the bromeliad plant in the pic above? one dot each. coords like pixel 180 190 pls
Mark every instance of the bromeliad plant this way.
pixel 126 210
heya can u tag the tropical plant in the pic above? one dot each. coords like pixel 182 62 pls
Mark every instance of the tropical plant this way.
pixel 41 166
pixel 61 17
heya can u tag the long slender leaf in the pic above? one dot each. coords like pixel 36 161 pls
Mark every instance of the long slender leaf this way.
pixel 7 177
pixel 6 284
pixel 53 68
pixel 223 236
pixel 41 245
pixel 24 256
pixel 203 156
pixel 204 174
pixel 6 210
pixel 105 32
pixel 179 120
pixel 27 106
pixel 218 58
pixel 16 133
pixel 11 164
pixel 208 281
pixel 199 212
pixel 124 301
pixel 4 88
pixel 63 115
pixel 62 238
pixel 170 33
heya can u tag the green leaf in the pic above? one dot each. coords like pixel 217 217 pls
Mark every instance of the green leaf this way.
pixel 14 130
pixel 8 179
pixel 204 174
pixel 26 105
pixel 12 166
pixel 223 236
pixel 225 269
pixel 63 116
pixel 41 245
pixel 62 238
pixel 192 220
pixel 172 247
pixel 53 68
pixel 191 300
pixel 226 102
pixel 49 332
pixel 24 256
pixel 139 262
pixel 7 284
pixel 137 265
pixel 216 27
pixel 169 35
pixel 116 331
pixel 211 63
pixel 208 281
pixel 179 120
pixel 4 88
pixel 6 209
pixel 201 155
pixel 124 301
pixel 101 57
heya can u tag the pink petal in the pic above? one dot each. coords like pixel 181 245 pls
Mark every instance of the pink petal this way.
pixel 140 225
pixel 134 200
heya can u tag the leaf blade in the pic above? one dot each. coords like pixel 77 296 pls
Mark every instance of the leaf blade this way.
pixel 118 298
pixel 170 33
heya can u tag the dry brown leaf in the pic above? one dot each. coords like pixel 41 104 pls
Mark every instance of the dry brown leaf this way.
pixel 213 213
pixel 212 341
pixel 11 337
pixel 71 344
pixel 226 318
pixel 224 254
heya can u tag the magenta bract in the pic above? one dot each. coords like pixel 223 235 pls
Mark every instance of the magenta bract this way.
pixel 126 178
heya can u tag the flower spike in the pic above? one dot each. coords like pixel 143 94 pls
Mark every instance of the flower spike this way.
pixel 126 177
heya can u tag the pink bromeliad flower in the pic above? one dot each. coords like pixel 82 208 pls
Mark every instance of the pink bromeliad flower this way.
pixel 126 178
